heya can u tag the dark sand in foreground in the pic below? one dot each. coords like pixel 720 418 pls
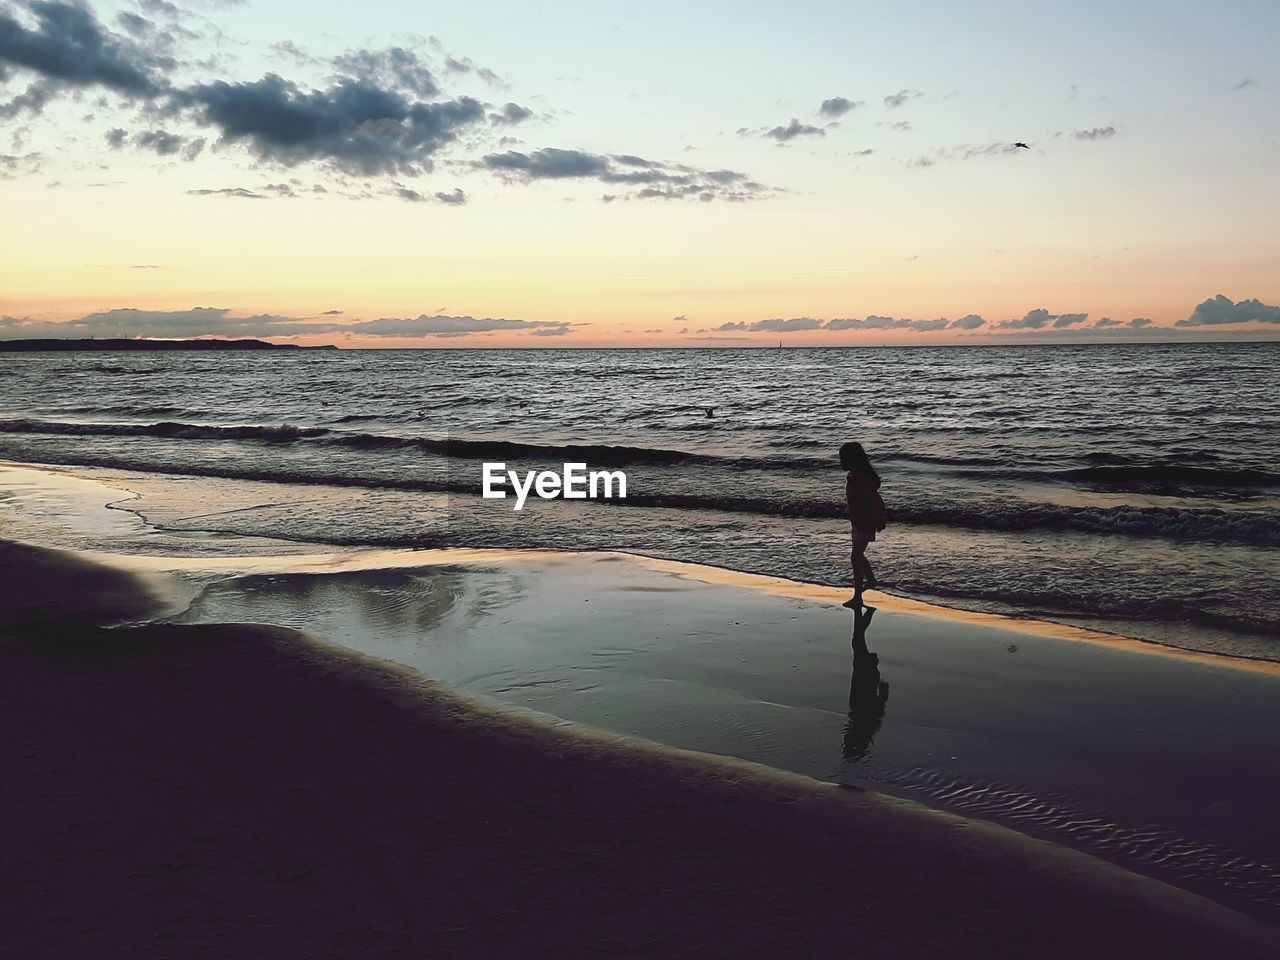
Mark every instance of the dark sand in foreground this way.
pixel 212 791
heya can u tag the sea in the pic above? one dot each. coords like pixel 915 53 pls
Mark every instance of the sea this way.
pixel 1131 488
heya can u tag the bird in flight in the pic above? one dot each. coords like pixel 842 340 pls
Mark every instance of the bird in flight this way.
pixel 1022 145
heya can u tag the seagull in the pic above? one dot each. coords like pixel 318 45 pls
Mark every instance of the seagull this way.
pixel 1022 145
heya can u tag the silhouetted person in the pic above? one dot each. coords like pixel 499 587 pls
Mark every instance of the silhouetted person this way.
pixel 868 694
pixel 866 515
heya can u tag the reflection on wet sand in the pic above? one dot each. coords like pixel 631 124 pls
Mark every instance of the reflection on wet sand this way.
pixel 868 693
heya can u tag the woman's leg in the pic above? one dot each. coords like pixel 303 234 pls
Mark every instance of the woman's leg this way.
pixel 858 557
pixel 869 574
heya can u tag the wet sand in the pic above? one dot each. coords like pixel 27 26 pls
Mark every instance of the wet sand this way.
pixel 1162 763
pixel 234 791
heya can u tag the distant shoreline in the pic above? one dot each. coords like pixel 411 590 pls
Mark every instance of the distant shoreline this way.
pixel 91 344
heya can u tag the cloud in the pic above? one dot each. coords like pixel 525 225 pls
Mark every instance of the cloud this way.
pixel 69 48
pixel 238 192
pixel 435 325
pixel 1069 320
pixel 778 325
pixel 1097 133
pixel 511 113
pixel 794 129
pixel 454 197
pixel 1220 310
pixel 838 106
pixel 160 141
pixel 396 68
pixel 355 126
pixel 1244 83
pixel 895 100
pixel 1033 320
pixel 379 113
pixel 215 321
pixel 875 322
pixel 964 152
pixel 650 178
pixel 125 322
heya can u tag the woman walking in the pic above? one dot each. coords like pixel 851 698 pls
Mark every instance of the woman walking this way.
pixel 866 514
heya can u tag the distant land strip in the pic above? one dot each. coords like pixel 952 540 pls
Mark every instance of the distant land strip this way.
pixel 124 343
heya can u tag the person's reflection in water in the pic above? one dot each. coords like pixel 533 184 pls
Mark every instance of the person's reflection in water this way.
pixel 868 693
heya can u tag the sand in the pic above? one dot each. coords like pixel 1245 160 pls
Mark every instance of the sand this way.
pixel 217 791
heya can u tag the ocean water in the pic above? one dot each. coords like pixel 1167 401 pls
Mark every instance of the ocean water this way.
pixel 1132 488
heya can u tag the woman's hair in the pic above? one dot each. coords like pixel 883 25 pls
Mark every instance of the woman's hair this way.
pixel 854 459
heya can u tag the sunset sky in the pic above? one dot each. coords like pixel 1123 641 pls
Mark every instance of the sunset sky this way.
pixel 599 173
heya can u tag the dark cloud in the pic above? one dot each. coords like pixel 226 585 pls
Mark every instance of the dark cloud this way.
pixel 875 322
pixel 895 100
pixel 69 47
pixel 454 197
pixel 163 143
pixel 435 325
pixel 381 112
pixel 1032 320
pixel 549 163
pixel 32 100
pixel 1041 318
pixel 1106 322
pixel 199 321
pixel 1221 310
pixel 510 113
pixel 1244 83
pixel 1097 133
pixel 838 106
pixel 393 68
pixel 778 325
pixel 970 322
pixel 872 322
pixel 356 126
pixel 332 313
pixel 794 129
pixel 650 178
pixel 214 321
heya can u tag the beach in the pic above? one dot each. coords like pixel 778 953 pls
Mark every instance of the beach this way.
pixel 233 789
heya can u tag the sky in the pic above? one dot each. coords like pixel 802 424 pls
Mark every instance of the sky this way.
pixel 667 174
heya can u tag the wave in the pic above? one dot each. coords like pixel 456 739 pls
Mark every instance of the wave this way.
pixel 166 430
pixel 1115 474
pixel 1170 474
pixel 992 516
